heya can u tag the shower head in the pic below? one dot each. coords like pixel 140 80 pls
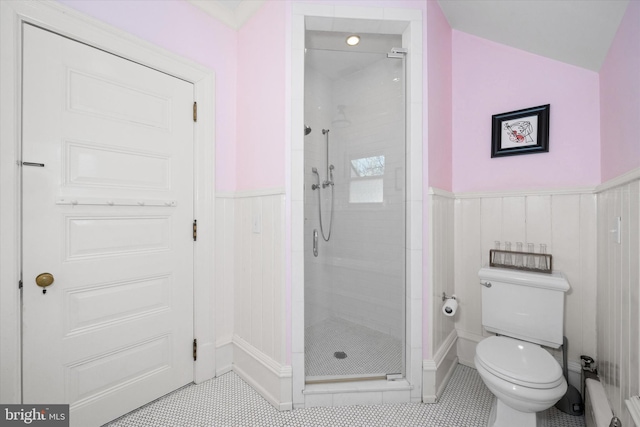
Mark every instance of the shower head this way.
pixel 307 130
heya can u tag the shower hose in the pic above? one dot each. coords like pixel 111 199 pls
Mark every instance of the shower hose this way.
pixel 327 237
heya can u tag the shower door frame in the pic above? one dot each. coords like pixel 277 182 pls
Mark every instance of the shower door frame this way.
pixel 412 40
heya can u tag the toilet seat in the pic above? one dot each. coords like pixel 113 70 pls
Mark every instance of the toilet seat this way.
pixel 519 362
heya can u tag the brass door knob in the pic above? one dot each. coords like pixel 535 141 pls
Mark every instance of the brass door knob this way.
pixel 45 279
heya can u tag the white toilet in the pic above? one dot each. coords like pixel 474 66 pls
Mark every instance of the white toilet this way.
pixel 525 310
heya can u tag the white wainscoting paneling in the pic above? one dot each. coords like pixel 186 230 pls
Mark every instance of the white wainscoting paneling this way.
pixel 436 371
pixel 618 292
pixel 259 272
pixel 441 252
pixel 564 221
pixel 250 290
pixel 224 281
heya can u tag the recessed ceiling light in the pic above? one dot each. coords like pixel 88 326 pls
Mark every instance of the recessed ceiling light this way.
pixel 353 40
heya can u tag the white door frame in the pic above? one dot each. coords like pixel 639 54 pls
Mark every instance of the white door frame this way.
pixel 70 23
pixel 412 38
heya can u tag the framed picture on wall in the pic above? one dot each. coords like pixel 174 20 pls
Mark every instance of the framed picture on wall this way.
pixel 520 132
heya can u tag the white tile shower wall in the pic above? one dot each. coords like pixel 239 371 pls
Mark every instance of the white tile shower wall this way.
pixel 359 274
pixel 563 220
pixel 618 293
pixel 318 286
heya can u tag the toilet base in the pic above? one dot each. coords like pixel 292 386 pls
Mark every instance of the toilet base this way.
pixel 502 415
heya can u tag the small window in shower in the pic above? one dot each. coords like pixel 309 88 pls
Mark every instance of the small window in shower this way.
pixel 366 185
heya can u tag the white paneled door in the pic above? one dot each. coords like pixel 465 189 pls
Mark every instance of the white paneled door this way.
pixel 109 218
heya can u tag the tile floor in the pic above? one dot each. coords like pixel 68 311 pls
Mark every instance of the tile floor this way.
pixel 229 401
pixel 369 352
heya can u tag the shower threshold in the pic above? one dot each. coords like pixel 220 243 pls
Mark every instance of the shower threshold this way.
pixel 324 379
pixel 359 391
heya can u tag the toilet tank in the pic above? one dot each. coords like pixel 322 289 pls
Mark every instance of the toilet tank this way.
pixel 524 305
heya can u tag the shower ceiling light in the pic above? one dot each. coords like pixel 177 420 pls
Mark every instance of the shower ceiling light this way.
pixel 353 40
pixel 340 120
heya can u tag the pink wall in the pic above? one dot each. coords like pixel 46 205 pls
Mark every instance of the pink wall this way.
pixel 439 75
pixel 620 99
pixel 489 78
pixel 262 91
pixel 185 30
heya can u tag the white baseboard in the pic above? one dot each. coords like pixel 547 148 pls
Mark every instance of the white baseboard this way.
pixel 224 356
pixel 205 365
pixel 440 385
pixel 575 374
pixel 272 380
pixel 437 372
pixel 466 347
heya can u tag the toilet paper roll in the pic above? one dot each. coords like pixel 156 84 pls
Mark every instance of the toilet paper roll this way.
pixel 450 307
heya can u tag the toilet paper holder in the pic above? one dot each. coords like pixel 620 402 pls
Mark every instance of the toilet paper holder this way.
pixel 445 297
pixel 450 305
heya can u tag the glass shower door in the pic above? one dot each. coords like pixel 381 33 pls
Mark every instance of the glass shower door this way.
pixel 355 183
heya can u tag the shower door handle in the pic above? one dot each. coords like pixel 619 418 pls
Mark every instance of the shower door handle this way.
pixel 315 243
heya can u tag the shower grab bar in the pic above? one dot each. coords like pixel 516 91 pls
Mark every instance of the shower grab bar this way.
pixel 315 242
pixel 315 186
pixel 325 132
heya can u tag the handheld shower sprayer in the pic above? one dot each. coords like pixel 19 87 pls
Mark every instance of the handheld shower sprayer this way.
pixel 315 186
pixel 328 182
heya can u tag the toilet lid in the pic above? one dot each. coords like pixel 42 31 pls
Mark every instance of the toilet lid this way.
pixel 519 362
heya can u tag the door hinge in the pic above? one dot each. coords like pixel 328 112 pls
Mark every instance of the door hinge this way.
pixel 195 349
pixel 20 284
pixel 195 230
pixel 195 111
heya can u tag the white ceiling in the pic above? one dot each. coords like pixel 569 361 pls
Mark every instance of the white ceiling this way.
pixel 577 32
pixel 232 4
pixel 234 13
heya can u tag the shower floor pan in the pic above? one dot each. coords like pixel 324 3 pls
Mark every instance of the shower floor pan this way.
pixel 368 354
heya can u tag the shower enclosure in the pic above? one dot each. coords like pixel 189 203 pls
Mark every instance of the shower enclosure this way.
pixel 354 208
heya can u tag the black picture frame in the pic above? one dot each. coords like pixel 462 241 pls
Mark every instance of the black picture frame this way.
pixel 520 132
